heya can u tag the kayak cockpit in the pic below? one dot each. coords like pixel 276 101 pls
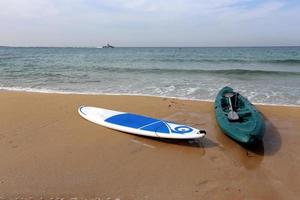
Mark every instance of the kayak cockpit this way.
pixel 233 104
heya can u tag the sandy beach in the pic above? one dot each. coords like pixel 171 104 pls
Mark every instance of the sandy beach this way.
pixel 48 151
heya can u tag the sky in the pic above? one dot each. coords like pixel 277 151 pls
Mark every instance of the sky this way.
pixel 150 23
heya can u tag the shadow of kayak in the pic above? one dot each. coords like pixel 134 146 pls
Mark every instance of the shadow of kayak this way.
pixel 271 142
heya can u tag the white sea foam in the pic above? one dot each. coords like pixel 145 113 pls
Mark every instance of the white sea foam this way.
pixel 52 91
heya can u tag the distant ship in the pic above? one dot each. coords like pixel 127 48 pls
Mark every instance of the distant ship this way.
pixel 108 46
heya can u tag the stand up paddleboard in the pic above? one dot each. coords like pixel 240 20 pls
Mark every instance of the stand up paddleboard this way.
pixel 138 124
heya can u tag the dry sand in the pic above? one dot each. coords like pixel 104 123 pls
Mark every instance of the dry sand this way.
pixel 47 150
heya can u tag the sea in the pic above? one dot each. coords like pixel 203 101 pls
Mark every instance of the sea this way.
pixel 265 75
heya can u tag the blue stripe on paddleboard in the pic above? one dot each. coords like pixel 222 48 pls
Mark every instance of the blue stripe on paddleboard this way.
pixel 157 127
pixel 130 120
pixel 147 124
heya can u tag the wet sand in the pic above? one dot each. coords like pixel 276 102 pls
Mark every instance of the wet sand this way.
pixel 47 150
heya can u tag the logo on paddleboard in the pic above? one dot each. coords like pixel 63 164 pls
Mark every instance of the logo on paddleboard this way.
pixel 179 129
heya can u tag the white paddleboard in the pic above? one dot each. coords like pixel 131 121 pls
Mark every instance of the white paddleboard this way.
pixel 138 124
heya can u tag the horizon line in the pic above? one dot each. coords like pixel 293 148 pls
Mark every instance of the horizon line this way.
pixel 98 47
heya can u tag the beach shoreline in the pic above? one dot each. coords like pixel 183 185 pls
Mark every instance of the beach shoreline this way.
pixel 30 90
pixel 49 151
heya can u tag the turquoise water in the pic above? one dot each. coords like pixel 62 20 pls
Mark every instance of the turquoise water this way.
pixel 264 74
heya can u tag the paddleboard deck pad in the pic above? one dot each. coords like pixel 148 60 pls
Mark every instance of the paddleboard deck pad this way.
pixel 139 124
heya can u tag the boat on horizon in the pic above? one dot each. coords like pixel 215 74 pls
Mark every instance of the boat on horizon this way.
pixel 108 46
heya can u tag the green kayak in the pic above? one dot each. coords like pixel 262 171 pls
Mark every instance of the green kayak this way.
pixel 238 118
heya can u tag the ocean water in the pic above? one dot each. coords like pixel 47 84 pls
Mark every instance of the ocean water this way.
pixel 268 75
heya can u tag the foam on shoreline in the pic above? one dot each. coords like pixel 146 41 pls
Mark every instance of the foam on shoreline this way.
pixel 51 91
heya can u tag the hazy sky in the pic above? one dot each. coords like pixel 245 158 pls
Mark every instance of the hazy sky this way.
pixel 149 22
